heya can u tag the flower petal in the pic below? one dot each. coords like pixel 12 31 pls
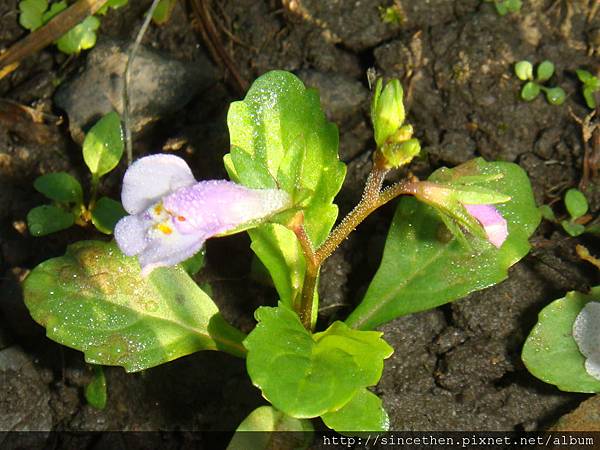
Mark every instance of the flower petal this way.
pixel 150 178
pixel 168 250
pixel 586 332
pixel 493 223
pixel 130 234
pixel 218 206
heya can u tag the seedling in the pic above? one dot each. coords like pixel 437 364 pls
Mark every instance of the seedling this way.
pixel 35 13
pixel 95 391
pixel 392 15
pixel 591 84
pixel 457 232
pixel 503 7
pixel 531 89
pixel 102 150
pixel 577 207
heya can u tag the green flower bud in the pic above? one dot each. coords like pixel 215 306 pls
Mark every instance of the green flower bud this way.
pixel 387 110
pixel 399 154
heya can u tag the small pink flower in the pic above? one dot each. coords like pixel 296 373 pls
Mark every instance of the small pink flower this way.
pixel 172 214
pixel 491 220
pixel 463 204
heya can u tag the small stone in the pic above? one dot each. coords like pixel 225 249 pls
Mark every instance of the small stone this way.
pixel 158 86
pixel 341 96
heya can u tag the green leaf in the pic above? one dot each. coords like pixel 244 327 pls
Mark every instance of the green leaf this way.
pixel 530 91
pixel 363 413
pixel 588 95
pixel 572 228
pixel 55 8
pixel 584 76
pixel 30 13
pixel 60 187
pixel 114 4
pixel 524 70
pixel 259 429
pixel 95 392
pixel 47 219
pixel 103 145
pixel 501 7
pixel 576 203
pixel 193 265
pixel 308 375
pixel 106 213
pixel 95 300
pixel 551 354
pixel 555 95
pixel 163 11
pixel 547 213
pixel 513 5
pixel 422 267
pixel 545 71
pixel 281 138
pixel 80 37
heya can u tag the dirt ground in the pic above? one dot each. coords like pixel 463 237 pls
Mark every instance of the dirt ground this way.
pixel 454 368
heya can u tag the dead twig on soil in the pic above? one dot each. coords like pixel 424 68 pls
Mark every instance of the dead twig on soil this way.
pixel 47 34
pixel 584 254
pixel 212 40
pixel 590 135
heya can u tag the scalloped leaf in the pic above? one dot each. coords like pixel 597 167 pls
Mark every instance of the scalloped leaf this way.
pixel 281 138
pixel 308 375
pixel 551 354
pixel 423 267
pixel 95 300
pixel 363 413
pixel 267 428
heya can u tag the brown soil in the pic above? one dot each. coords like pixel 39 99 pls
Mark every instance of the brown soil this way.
pixel 454 368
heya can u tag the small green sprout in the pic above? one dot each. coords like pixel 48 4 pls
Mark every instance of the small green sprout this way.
pixel 392 15
pixel 577 207
pixel 36 13
pixel 503 7
pixel 533 86
pixel 102 150
pixel 95 391
pixel 591 84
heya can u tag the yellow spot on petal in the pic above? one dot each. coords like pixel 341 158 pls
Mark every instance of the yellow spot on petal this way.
pixel 164 228
pixel 158 209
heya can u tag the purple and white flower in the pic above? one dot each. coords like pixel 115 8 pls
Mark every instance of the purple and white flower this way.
pixel 586 332
pixel 172 215
pixel 491 220
pixel 467 207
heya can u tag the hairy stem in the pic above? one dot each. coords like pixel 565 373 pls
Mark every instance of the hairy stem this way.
pixel 312 270
pixel 373 197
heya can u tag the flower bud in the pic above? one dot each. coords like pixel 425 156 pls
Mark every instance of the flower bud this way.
pixel 387 110
pixel 399 154
pixel 469 207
